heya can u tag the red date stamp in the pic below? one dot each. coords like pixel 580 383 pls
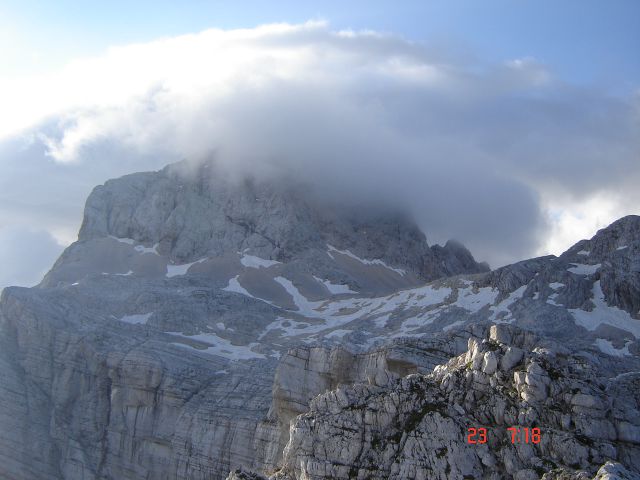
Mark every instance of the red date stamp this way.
pixel 518 435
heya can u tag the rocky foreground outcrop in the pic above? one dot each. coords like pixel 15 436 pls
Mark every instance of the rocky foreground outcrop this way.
pixel 417 426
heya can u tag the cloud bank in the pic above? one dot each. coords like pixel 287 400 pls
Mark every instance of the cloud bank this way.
pixel 507 158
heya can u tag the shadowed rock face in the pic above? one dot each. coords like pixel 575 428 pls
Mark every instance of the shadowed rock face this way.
pixel 197 316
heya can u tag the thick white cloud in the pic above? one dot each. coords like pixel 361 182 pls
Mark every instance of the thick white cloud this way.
pixel 503 157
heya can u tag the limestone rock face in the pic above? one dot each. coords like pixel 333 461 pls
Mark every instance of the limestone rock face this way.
pixel 417 426
pixel 190 214
pixel 200 322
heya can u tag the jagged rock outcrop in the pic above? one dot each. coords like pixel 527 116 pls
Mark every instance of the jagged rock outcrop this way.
pixel 306 372
pixel 418 426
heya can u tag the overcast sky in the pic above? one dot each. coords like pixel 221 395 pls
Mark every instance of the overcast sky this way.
pixel 512 127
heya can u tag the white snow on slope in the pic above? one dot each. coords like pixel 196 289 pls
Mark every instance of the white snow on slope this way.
pixel 305 307
pixel 143 249
pixel 128 241
pixel 139 248
pixel 335 288
pixel 219 346
pixel 556 285
pixel 604 314
pixel 136 319
pixel 607 347
pixel 582 269
pixel 234 286
pixel 175 270
pixel 503 306
pixel 551 300
pixel 377 261
pixel 474 301
pixel 622 247
pixel 340 312
pixel 256 262
pixel 583 252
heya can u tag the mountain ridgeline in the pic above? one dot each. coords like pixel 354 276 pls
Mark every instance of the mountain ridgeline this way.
pixel 204 324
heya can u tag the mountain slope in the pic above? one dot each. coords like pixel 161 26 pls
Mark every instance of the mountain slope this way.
pixel 153 347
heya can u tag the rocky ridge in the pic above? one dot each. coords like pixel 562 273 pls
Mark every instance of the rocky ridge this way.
pixel 416 426
pixel 197 317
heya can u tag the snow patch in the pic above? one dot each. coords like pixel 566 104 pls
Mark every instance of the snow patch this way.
pixel 138 248
pixel 175 270
pixel 551 300
pixel 556 285
pixel 143 249
pixel 503 306
pixel 623 247
pixel 583 252
pixel 287 326
pixel 582 269
pixel 305 307
pixel 605 314
pixel 376 261
pixel 382 320
pixel 256 262
pixel 607 347
pixel 128 241
pixel 138 319
pixel 234 286
pixel 474 301
pixel 219 346
pixel 335 288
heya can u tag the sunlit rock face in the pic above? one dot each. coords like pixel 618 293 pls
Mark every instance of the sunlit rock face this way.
pixel 199 320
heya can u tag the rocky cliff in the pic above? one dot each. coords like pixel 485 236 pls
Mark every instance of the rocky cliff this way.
pixel 198 317
pixel 417 426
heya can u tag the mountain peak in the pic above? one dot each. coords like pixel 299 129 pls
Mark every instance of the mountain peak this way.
pixel 187 214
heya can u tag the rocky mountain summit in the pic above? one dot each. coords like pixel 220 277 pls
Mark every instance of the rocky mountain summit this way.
pixel 203 323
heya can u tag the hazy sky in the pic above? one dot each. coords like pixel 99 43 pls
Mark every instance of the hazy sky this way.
pixel 509 125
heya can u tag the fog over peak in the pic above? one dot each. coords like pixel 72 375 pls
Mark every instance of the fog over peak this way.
pixel 506 158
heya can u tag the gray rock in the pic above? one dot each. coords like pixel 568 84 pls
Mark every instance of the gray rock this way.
pixel 411 428
pixel 150 348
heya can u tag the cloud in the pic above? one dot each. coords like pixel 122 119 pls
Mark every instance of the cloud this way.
pixel 498 156
pixel 25 256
